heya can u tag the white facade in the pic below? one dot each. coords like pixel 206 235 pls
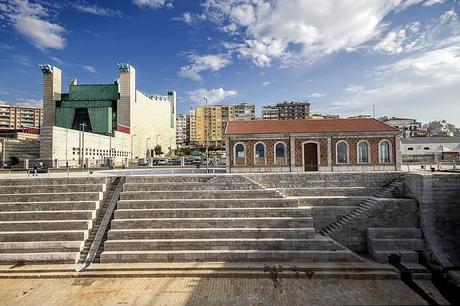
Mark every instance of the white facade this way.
pixel 181 130
pixel 433 147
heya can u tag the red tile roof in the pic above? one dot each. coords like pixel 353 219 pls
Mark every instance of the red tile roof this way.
pixel 307 126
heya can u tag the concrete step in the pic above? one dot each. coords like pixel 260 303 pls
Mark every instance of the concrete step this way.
pixel 327 201
pixel 274 222
pixel 188 186
pixel 292 212
pixel 48 206
pixel 200 233
pixel 394 233
pixel 47 215
pixel 206 203
pixel 167 178
pixel 329 191
pixel 199 194
pixel 406 256
pixel 41 246
pixel 39 181
pixel 228 256
pixel 221 244
pixel 51 188
pixel 52 257
pixel 48 225
pixel 396 244
pixel 51 235
pixel 36 197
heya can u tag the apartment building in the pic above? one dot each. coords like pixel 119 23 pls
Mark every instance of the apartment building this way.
pixel 181 130
pixel 286 110
pixel 17 117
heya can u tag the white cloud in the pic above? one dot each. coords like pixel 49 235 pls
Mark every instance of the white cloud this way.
pixel 317 95
pixel 301 31
pixel 213 95
pixel 432 2
pixel 96 10
pixel 417 86
pixel 154 4
pixel 202 63
pixel 265 84
pixel 89 68
pixel 187 18
pixel 31 20
pixel 29 102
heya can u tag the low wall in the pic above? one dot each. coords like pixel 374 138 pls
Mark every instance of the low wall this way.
pixel 438 195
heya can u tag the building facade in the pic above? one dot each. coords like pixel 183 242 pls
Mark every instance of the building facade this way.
pixel 211 120
pixel 430 149
pixel 95 122
pixel 286 111
pixel 312 145
pixel 181 130
pixel 18 117
pixel 408 127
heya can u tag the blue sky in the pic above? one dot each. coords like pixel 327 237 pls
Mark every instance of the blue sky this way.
pixel 341 55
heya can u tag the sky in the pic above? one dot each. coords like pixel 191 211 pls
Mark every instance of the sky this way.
pixel 343 56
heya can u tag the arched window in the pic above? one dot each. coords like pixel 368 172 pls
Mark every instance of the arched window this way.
pixel 363 152
pixel 280 153
pixel 342 152
pixel 259 154
pixel 240 154
pixel 384 152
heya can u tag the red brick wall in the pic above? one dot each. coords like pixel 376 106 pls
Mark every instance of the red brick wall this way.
pixel 352 147
pixel 322 149
pixel 270 151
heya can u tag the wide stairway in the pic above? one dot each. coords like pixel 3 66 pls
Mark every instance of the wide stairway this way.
pixel 213 218
pixel 47 219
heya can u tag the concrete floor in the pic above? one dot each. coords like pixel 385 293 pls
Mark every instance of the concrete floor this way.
pixel 207 291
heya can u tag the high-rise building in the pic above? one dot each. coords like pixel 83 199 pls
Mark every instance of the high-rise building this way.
pixel 408 127
pixel 286 110
pixel 211 120
pixel 181 130
pixel 18 117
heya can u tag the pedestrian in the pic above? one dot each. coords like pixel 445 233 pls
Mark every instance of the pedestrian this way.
pixel 34 171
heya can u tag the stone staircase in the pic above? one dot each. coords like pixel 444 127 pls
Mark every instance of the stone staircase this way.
pixel 405 242
pixel 213 218
pixel 389 191
pixel 97 222
pixel 47 219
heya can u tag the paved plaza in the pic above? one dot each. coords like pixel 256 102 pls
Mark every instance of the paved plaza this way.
pixel 207 291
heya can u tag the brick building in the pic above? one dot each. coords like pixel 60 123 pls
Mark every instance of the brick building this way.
pixel 312 145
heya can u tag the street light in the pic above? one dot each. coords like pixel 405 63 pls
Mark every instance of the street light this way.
pixel 147 147
pixel 132 140
pixel 82 145
pixel 206 133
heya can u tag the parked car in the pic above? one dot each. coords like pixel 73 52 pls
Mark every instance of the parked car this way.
pixel 142 162
pixel 163 161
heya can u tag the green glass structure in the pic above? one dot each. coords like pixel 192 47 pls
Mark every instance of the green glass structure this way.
pixel 92 105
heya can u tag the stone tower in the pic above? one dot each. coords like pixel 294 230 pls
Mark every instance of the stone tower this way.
pixel 127 96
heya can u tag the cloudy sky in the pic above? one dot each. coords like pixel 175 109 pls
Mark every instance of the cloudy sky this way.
pixel 341 55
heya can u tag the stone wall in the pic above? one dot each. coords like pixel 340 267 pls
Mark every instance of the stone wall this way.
pixel 396 213
pixel 438 195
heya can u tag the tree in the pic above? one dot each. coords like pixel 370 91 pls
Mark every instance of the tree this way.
pixel 158 150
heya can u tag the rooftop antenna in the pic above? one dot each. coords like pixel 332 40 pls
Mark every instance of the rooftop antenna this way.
pixel 373 110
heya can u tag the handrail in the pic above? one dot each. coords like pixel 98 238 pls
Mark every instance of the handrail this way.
pixel 102 227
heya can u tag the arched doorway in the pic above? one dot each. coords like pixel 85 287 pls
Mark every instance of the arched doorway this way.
pixel 310 156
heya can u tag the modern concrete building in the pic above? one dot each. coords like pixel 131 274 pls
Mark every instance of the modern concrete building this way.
pixel 430 149
pixel 17 117
pixel 312 145
pixel 408 127
pixel 286 111
pixel 211 120
pixel 96 122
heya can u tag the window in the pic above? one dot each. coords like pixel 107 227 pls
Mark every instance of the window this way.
pixel 410 149
pixel 426 148
pixel 260 151
pixel 342 152
pixel 239 151
pixel 280 150
pixel 384 152
pixel 363 152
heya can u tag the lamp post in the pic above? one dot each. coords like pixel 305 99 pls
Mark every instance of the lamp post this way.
pixel 82 147
pixel 132 145
pixel 147 147
pixel 206 133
